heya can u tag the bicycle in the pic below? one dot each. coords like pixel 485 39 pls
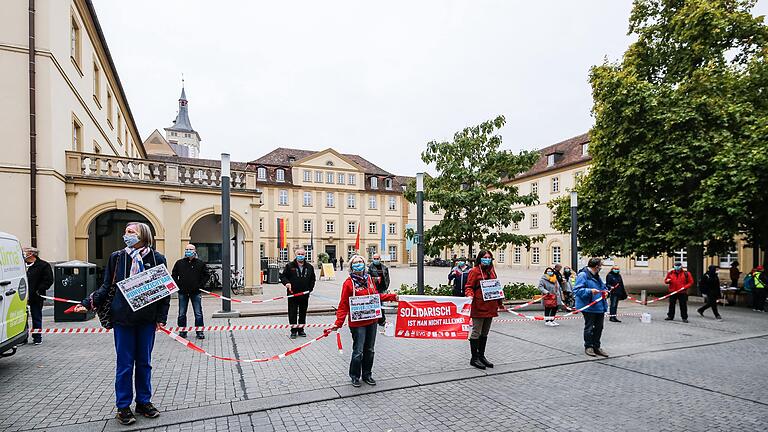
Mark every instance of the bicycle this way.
pixel 213 280
pixel 236 283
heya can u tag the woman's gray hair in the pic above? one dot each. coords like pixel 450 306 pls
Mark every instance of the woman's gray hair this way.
pixel 144 233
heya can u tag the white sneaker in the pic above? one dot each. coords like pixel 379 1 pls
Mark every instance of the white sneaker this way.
pixel 555 323
pixel 549 323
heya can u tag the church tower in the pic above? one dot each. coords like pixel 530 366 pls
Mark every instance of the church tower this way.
pixel 182 138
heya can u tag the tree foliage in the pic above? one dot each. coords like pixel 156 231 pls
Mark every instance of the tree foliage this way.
pixel 470 191
pixel 679 141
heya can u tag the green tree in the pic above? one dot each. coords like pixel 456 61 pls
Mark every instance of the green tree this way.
pixel 470 190
pixel 680 133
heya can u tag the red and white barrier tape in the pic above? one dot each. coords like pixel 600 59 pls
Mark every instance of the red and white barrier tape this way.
pixel 338 343
pixel 541 317
pixel 515 320
pixel 59 299
pixel 661 298
pixel 75 330
pixel 234 300
pixel 194 347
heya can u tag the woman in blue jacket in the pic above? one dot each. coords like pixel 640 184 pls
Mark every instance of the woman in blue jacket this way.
pixel 589 288
pixel 134 331
pixel 458 276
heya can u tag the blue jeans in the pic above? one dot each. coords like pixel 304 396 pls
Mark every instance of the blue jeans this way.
pixel 197 308
pixel 133 345
pixel 614 306
pixel 36 312
pixel 363 340
pixel 593 329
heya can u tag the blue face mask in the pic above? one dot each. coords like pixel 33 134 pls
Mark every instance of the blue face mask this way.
pixel 358 267
pixel 677 267
pixel 460 263
pixel 486 261
pixel 616 271
pixel 130 239
pixel 300 258
pixel 549 273
pixel 189 253
pixel 377 262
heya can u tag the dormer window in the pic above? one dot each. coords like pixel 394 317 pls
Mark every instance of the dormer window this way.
pixel 553 158
pixel 291 159
pixel 262 173
pixel 280 175
pixel 374 182
pixel 388 184
pixel 585 149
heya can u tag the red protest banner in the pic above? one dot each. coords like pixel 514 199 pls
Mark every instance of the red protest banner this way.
pixel 433 317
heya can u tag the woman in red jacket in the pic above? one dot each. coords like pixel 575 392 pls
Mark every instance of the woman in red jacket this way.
pixel 363 330
pixel 482 311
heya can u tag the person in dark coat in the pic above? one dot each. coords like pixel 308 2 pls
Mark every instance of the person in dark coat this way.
pixel 380 275
pixel 734 274
pixel 618 292
pixel 709 285
pixel 298 277
pixel 483 312
pixel 458 276
pixel 190 275
pixel 134 331
pixel 39 278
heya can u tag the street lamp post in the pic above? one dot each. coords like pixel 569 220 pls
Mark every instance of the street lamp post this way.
pixel 574 233
pixel 420 232
pixel 226 305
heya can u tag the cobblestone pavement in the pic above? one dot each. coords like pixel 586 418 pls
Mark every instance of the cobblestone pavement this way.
pixel 665 376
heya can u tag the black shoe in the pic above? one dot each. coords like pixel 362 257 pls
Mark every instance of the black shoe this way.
pixel 476 363
pixel 147 410
pixel 474 345
pixel 613 319
pixel 183 334
pixel 370 381
pixel 302 334
pixel 355 382
pixel 668 319
pixel 701 312
pixel 201 335
pixel 37 342
pixel 685 320
pixel 718 317
pixel 481 351
pixel 125 416
pixel 293 335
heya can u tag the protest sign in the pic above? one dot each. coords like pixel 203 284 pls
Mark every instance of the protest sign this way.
pixel 492 289
pixel 147 287
pixel 365 307
pixel 327 271
pixel 433 317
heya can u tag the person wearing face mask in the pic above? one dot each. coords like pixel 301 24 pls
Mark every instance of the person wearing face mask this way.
pixel 380 275
pixel 134 332
pixel 568 280
pixel 483 312
pixel 39 278
pixel 190 275
pixel 458 276
pixel 298 276
pixel 618 292
pixel 363 331
pixel 678 279
pixel 590 288
pixel 710 286
pixel 549 288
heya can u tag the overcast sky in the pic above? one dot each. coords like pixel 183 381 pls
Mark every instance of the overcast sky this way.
pixel 380 79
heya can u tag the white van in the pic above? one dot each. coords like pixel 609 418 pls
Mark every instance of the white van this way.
pixel 13 295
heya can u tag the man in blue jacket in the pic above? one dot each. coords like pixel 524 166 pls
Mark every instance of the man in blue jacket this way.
pixel 590 288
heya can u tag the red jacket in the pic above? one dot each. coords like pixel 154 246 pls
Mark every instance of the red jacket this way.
pixel 677 280
pixel 480 307
pixel 346 293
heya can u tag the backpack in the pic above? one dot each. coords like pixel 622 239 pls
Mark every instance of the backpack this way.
pixel 749 282
pixel 704 284
pixel 104 312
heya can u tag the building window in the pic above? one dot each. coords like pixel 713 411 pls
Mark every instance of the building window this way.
pixel 282 198
pixel 109 108
pixel 577 176
pixel 372 250
pixel 329 177
pixel 681 256
pixel 74 41
pixel 307 225
pixel 388 184
pixel 392 203
pixel 374 182
pixel 555 184
pixel 641 261
pixel 282 254
pixel 371 227
pixel 330 226
pixel 280 175
pixel 96 147
pixel 351 201
pixel 517 255
pixel 535 188
pixel 556 255
pixel 350 251
pixel 307 176
pixel 392 228
pixel 308 249
pixel 307 199
pixel 330 199
pixel 392 253
pixel 550 160
pixel 501 256
pixel 119 127
pixel 186 135
pixel 585 149
pixel 97 83
pixel 352 179
pixel 535 255
pixel 351 227
pixel 262 173
pixel 515 226
pixel 341 179
pixel 77 134
pixel 372 202
pixel 262 250
pixel 261 224
pixel 534 220
pixel 318 176
pixel 727 260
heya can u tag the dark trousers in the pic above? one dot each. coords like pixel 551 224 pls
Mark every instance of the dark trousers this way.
pixel 297 308
pixel 36 313
pixel 614 306
pixel 683 299
pixel 550 312
pixel 593 329
pixel 133 345
pixel 758 298
pixel 363 340
pixel 383 318
pixel 197 308
pixel 711 303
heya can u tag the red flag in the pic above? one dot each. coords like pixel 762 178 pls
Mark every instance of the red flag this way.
pixel 357 240
pixel 281 240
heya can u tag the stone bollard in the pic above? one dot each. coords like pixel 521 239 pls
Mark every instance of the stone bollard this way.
pixel 643 298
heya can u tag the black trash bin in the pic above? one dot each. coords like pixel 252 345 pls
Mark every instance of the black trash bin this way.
pixel 74 280
pixel 273 274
